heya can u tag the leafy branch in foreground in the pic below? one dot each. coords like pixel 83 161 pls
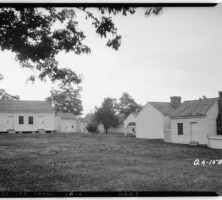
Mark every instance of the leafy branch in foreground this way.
pixel 37 35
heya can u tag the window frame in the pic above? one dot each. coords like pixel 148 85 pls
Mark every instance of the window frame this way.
pixel 32 120
pixel 20 120
pixel 180 129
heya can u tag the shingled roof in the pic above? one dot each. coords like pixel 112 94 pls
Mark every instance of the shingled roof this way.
pixel 194 108
pixel 66 115
pixel 21 106
pixel 163 107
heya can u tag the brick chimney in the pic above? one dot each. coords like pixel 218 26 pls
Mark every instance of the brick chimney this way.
pixel 175 101
pixel 219 117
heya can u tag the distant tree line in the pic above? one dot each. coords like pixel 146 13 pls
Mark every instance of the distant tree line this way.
pixel 112 112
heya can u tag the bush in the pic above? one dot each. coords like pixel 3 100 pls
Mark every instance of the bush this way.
pixel 92 127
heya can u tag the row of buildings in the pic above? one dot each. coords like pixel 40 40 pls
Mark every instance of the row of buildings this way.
pixel 188 122
pixel 36 116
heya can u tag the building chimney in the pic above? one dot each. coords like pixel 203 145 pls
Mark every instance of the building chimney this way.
pixel 220 94
pixel 175 101
pixel 219 117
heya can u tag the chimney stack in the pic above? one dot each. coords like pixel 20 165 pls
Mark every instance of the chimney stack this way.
pixel 219 117
pixel 220 102
pixel 175 101
pixel 220 94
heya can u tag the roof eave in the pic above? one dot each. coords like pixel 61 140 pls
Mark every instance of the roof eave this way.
pixel 190 116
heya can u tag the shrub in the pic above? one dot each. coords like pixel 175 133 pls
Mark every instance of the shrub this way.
pixel 92 127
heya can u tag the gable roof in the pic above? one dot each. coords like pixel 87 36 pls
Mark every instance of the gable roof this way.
pixel 21 106
pixel 164 107
pixel 194 108
pixel 66 115
pixel 134 114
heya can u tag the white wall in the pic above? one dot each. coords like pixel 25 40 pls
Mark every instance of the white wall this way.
pixel 101 128
pixel 130 118
pixel 48 118
pixel 61 125
pixel 119 129
pixel 167 123
pixel 81 127
pixel 215 141
pixel 68 126
pixel 150 123
pixel 186 137
pixel 58 124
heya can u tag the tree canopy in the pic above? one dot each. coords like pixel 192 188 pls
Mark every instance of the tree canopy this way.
pixel 36 37
pixel 127 104
pixel 107 114
pixel 66 99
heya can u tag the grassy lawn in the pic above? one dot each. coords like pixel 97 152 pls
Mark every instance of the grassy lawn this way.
pixel 76 162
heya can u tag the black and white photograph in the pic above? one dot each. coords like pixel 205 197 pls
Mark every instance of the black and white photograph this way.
pixel 110 99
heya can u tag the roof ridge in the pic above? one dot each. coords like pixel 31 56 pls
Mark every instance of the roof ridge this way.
pixel 158 102
pixel 198 107
pixel 24 100
pixel 213 98
pixel 25 106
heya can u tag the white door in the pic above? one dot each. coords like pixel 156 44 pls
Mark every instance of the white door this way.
pixel 40 122
pixel 193 132
pixel 10 122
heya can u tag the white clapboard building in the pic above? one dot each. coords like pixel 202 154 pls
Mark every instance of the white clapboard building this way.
pixel 154 119
pixel 26 116
pixel 194 121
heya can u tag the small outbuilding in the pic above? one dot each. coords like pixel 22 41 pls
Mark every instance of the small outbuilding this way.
pixel 153 121
pixel 130 124
pixel 101 128
pixel 66 122
pixel 81 125
pixel 26 116
pixel 194 121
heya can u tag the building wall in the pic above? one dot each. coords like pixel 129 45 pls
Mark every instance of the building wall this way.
pixel 201 128
pixel 215 141
pixel 101 128
pixel 130 118
pixel 58 124
pixel 167 129
pixel 131 130
pixel 48 121
pixel 119 129
pixel 167 123
pixel 81 127
pixel 167 135
pixel 150 123
pixel 68 126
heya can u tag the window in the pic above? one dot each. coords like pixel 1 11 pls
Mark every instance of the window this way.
pixel 180 128
pixel 21 119
pixel 31 120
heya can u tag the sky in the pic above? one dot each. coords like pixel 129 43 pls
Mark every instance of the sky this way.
pixel 177 53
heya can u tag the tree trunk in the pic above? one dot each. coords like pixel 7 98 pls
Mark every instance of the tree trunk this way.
pixel 106 131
